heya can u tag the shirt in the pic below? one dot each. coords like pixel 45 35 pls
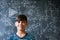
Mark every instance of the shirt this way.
pixel 15 37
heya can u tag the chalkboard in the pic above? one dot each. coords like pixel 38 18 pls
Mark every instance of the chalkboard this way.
pixel 43 18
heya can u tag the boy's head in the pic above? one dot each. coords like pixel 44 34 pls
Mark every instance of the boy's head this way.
pixel 21 22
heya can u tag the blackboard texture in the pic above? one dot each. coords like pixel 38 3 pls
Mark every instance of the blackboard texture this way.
pixel 43 18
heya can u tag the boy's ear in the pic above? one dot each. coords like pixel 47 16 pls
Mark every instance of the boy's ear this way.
pixel 16 24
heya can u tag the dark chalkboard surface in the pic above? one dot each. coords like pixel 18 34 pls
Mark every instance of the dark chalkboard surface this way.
pixel 43 18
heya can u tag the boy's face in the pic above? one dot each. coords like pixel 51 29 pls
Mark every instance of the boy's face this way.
pixel 21 25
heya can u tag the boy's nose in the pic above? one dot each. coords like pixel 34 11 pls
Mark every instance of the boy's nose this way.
pixel 20 22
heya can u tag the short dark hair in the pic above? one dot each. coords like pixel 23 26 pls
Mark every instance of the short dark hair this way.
pixel 21 17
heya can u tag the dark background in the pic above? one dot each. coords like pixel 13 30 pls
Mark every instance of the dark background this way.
pixel 43 18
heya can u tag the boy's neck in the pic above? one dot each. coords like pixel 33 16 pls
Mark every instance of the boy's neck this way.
pixel 21 33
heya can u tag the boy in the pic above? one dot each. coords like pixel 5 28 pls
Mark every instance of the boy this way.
pixel 21 34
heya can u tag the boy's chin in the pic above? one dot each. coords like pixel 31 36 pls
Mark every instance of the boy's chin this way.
pixel 20 29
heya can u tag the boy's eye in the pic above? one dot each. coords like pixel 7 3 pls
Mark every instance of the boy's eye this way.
pixel 18 21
